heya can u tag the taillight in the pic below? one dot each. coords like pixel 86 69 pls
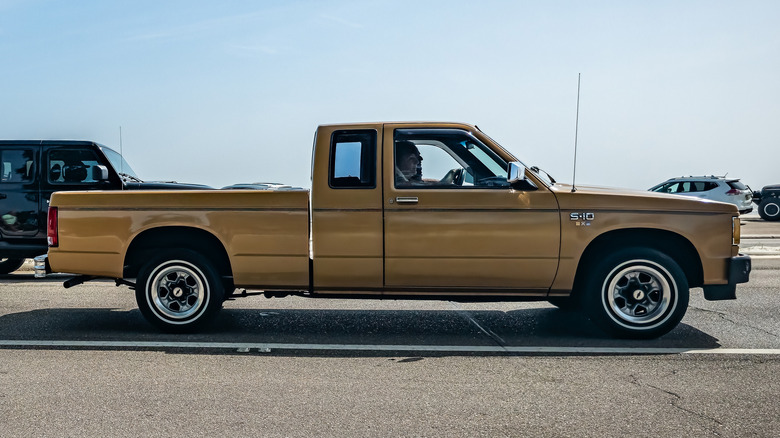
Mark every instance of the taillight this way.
pixel 51 228
pixel 733 192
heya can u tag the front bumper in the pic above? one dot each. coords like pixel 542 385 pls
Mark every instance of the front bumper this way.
pixel 739 272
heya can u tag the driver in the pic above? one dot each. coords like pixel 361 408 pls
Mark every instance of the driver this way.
pixel 408 163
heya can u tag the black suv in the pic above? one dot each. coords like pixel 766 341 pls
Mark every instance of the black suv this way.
pixel 768 200
pixel 31 170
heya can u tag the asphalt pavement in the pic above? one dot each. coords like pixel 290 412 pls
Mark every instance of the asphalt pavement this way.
pixel 84 362
pixel 759 237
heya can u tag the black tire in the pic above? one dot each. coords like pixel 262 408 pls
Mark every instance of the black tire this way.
pixel 636 293
pixel 179 291
pixel 769 209
pixel 10 265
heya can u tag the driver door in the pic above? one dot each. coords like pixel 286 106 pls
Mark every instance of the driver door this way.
pixel 472 234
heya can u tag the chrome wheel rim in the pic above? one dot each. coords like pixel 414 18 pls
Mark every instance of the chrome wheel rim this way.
pixel 639 293
pixel 772 209
pixel 177 290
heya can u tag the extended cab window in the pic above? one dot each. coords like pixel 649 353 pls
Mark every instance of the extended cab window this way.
pixel 72 166
pixel 445 158
pixel 353 160
pixel 17 165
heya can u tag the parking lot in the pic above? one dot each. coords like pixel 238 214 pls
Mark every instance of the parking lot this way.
pixel 83 361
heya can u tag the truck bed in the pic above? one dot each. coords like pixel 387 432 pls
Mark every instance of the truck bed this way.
pixel 265 233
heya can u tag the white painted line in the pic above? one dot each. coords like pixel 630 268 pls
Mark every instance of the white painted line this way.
pixel 270 347
pixel 458 308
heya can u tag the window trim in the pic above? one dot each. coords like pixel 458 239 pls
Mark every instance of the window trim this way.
pixel 373 134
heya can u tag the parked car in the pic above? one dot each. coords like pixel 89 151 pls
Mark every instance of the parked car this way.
pixel 31 170
pixel 716 188
pixel 262 186
pixel 768 201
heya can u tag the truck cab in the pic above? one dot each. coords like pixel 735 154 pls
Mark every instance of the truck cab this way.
pixel 431 211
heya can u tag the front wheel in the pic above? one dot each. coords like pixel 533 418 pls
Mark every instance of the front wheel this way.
pixel 769 209
pixel 10 265
pixel 179 291
pixel 636 293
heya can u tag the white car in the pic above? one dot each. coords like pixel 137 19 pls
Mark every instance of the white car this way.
pixel 716 188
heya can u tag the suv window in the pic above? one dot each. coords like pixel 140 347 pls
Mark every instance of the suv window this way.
pixel 736 185
pixel 445 158
pixel 353 160
pixel 17 165
pixel 710 186
pixel 672 187
pixel 71 166
pixel 686 187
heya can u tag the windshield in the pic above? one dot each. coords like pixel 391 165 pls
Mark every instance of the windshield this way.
pixel 119 163
pixel 540 173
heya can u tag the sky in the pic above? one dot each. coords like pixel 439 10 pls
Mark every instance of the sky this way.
pixel 230 92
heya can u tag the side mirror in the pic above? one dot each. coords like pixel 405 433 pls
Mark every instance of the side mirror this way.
pixel 100 173
pixel 518 178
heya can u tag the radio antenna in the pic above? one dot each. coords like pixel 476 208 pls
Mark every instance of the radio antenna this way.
pixel 576 129
pixel 121 158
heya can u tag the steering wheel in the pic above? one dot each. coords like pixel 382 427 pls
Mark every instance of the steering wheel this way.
pixel 459 177
pixel 455 176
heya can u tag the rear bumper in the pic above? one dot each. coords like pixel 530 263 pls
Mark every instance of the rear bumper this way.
pixel 41 266
pixel 739 272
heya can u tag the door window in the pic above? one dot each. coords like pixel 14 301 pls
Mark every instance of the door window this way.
pixel 445 158
pixel 72 166
pixel 17 166
pixel 353 160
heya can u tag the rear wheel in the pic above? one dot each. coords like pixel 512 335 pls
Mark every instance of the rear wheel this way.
pixel 179 290
pixel 10 265
pixel 769 209
pixel 636 293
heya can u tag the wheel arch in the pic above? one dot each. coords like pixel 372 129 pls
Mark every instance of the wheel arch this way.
pixel 677 247
pixel 192 238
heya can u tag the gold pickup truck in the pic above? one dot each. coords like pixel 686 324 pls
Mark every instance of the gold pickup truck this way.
pixel 406 210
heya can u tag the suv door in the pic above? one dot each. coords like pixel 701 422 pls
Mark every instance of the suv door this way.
pixel 19 191
pixel 454 225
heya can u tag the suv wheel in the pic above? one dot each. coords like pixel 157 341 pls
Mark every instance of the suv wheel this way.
pixel 10 265
pixel 769 209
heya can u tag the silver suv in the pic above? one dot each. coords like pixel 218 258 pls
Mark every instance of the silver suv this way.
pixel 716 188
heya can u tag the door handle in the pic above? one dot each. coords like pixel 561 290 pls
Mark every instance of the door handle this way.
pixel 406 200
